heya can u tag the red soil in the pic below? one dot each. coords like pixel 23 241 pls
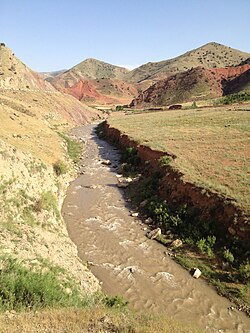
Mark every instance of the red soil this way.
pixel 182 87
pixel 83 90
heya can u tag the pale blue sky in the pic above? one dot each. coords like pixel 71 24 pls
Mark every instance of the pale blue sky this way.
pixel 55 34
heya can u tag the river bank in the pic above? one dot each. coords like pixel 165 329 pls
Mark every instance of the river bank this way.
pixel 113 241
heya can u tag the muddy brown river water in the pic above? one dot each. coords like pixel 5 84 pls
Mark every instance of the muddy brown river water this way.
pixel 127 262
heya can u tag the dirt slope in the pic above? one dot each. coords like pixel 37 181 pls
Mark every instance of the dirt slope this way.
pixel 194 84
pixel 240 83
pixel 16 75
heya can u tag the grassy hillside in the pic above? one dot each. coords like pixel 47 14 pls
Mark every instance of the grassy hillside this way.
pixel 211 145
pixel 28 120
pixel 209 55
pixel 89 69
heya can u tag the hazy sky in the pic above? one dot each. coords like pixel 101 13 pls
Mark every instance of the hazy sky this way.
pixel 56 34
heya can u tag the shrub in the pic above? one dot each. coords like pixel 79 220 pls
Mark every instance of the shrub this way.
pixel 129 155
pixel 59 168
pixel 165 160
pixel 115 302
pixel 23 288
pixel 244 272
pixel 119 108
pixel 228 256
pixel 205 245
pixel 235 98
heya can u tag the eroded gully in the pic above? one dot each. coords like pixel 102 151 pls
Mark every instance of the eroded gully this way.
pixel 124 260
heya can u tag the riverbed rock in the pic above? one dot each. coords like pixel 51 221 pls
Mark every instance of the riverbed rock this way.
pixel 177 243
pixel 149 220
pixel 196 273
pixel 153 233
pixel 122 185
pixel 106 162
pixel 134 214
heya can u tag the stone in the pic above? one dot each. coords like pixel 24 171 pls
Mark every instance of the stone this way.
pixel 106 162
pixel 231 231
pixel 135 214
pixel 177 243
pixel 153 233
pixel 196 273
pixel 143 203
pixel 148 220
pixel 122 185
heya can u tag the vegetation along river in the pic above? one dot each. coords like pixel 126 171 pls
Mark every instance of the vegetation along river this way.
pixel 99 222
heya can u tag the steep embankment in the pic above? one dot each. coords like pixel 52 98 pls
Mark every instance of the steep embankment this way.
pixel 35 171
pixel 192 85
pixel 32 229
pixel 38 263
pixel 231 220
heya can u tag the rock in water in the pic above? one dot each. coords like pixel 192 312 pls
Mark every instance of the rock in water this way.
pixel 106 162
pixel 196 273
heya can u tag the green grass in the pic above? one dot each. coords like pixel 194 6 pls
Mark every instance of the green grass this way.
pixel 24 288
pixel 74 148
pixel 243 96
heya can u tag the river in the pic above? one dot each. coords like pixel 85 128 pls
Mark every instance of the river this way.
pixel 99 222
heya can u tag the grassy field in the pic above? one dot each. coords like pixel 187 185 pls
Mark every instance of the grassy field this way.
pixel 211 145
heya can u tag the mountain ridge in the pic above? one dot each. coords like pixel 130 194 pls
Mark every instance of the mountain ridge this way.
pixel 209 55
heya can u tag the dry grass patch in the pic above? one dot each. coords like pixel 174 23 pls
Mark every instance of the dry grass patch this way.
pixel 88 320
pixel 212 145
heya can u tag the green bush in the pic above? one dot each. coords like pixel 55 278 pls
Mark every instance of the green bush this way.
pixel 165 160
pixel 59 168
pixel 129 156
pixel 115 302
pixel 228 256
pixel 235 98
pixel 244 272
pixel 23 288
pixel 205 245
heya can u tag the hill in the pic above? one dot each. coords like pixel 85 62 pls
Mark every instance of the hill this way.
pixel 96 82
pixel 16 75
pixel 210 55
pixel 102 91
pixel 192 85
pixel 48 76
pixel 89 69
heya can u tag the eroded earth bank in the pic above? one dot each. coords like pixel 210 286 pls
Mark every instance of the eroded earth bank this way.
pixel 99 222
